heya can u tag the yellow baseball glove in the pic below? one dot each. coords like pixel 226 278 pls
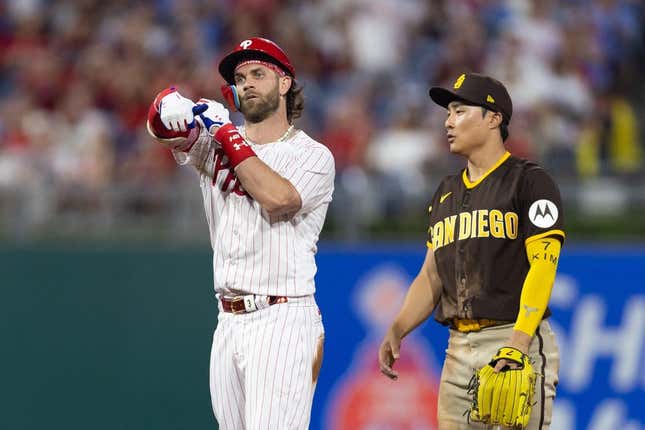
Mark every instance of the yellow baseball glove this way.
pixel 506 397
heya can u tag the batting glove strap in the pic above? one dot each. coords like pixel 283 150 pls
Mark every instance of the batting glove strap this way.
pixel 233 144
pixel 510 354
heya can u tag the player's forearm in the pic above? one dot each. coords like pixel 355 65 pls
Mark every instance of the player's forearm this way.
pixel 419 303
pixel 520 340
pixel 274 193
pixel 543 256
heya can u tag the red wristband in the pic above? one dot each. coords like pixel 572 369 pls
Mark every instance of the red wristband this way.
pixel 233 144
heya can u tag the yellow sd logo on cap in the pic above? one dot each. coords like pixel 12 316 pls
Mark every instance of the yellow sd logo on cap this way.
pixel 459 81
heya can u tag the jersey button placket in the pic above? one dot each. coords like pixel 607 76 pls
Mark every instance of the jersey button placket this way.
pixel 235 229
pixel 462 292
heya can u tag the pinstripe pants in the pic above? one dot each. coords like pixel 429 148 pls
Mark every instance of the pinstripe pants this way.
pixel 262 366
pixel 469 351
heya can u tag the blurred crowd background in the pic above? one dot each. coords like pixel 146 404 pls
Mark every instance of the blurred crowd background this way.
pixel 77 77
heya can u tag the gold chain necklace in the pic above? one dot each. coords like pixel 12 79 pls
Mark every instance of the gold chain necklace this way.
pixel 283 137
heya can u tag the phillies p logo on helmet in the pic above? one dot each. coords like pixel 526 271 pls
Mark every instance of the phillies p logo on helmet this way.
pixel 254 48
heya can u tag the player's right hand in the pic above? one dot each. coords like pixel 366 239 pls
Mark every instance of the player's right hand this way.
pixel 388 353
pixel 176 111
pixel 213 116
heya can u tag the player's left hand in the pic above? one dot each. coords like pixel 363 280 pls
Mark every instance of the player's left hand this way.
pixel 517 387
pixel 519 341
pixel 176 111
pixel 214 116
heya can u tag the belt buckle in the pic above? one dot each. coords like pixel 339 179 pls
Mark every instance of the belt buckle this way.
pixel 238 299
pixel 467 325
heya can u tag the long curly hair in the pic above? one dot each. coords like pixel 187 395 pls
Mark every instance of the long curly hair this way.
pixel 295 102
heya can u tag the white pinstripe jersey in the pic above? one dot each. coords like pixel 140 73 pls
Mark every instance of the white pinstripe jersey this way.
pixel 253 254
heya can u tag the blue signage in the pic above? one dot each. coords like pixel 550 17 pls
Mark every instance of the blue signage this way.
pixel 598 305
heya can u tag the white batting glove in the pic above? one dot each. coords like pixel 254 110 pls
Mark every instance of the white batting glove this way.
pixel 176 112
pixel 216 115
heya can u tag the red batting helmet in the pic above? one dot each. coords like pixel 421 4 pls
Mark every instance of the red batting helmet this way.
pixel 255 48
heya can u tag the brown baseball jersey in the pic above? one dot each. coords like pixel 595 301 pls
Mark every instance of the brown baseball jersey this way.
pixel 478 232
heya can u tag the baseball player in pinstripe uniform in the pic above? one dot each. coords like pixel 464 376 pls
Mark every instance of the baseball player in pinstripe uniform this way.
pixel 266 188
pixel 495 234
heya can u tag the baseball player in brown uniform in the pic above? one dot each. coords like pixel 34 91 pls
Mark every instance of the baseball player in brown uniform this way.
pixel 494 240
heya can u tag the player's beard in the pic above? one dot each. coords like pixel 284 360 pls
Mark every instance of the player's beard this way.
pixel 260 108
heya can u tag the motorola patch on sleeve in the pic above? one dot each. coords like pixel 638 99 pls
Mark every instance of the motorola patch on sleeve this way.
pixel 543 213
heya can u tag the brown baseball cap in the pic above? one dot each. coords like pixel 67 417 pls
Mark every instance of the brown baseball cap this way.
pixel 476 89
